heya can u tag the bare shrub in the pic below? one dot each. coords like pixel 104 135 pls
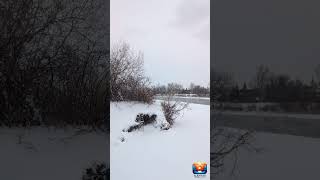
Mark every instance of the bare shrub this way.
pixel 144 94
pixel 226 143
pixel 171 109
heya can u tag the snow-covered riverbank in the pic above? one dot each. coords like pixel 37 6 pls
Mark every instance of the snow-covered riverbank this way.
pixel 153 154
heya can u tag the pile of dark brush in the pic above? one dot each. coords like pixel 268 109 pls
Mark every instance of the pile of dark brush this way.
pixel 142 120
pixel 98 171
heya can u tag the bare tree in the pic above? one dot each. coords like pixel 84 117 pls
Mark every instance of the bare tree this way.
pixel 160 89
pixel 127 80
pixel 192 85
pixel 262 76
pixel 54 57
pixel 174 88
pixel 317 72
pixel 261 79
pixel 222 83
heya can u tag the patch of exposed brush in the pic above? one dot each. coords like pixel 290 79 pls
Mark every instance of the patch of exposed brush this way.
pixel 97 171
pixel 142 120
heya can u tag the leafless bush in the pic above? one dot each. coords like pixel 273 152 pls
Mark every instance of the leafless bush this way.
pixel 226 143
pixel 128 81
pixel 171 109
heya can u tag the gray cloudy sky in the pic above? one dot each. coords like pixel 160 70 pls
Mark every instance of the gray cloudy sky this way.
pixel 174 36
pixel 282 34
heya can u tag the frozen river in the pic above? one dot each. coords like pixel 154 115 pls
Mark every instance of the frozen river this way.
pixel 193 100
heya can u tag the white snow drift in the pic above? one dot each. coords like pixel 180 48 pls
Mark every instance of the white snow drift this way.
pixel 43 154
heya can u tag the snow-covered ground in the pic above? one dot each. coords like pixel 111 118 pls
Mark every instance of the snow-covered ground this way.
pixel 282 157
pixel 290 145
pixel 42 154
pixel 153 154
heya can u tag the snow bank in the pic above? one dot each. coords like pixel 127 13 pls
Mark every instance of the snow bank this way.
pixel 154 154
pixel 282 157
pixel 43 154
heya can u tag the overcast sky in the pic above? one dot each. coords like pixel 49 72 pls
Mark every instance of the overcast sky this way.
pixel 282 34
pixel 174 36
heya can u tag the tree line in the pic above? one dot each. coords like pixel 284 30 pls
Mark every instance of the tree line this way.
pixel 176 88
pixel 266 86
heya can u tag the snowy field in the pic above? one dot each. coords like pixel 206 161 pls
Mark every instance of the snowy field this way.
pixel 43 154
pixel 282 157
pixel 153 154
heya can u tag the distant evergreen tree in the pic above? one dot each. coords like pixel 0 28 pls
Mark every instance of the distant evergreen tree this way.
pixel 235 92
pixel 244 87
pixel 313 83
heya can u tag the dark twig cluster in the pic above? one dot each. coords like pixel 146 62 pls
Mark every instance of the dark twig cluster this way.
pixel 142 120
pixel 171 110
pixel 98 171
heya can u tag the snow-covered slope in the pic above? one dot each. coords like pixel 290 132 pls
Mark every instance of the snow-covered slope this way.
pixel 282 157
pixel 153 154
